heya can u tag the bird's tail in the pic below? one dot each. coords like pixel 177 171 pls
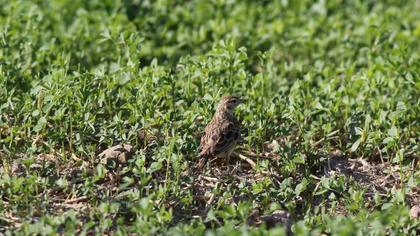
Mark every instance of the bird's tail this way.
pixel 202 162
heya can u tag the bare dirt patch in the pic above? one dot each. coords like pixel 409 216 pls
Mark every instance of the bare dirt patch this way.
pixel 378 178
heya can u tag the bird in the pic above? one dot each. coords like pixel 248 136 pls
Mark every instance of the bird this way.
pixel 222 133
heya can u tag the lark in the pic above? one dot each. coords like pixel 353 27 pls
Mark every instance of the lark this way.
pixel 222 133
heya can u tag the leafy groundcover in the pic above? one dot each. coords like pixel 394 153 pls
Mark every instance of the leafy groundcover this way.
pixel 330 125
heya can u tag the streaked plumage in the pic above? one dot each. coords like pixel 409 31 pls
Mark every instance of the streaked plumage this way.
pixel 222 133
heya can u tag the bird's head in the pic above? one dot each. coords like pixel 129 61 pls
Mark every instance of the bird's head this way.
pixel 229 103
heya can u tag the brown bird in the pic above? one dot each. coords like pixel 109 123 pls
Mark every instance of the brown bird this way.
pixel 222 133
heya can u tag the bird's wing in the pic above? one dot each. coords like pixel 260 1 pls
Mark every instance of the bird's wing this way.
pixel 220 138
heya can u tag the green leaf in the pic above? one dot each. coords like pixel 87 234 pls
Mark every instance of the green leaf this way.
pixel 355 145
pixel 155 166
pixel 40 125
pixel 302 186
pixel 393 132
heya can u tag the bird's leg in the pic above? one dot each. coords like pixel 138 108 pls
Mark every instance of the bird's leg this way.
pixel 227 163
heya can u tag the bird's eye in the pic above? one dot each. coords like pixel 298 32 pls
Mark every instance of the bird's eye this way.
pixel 234 100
